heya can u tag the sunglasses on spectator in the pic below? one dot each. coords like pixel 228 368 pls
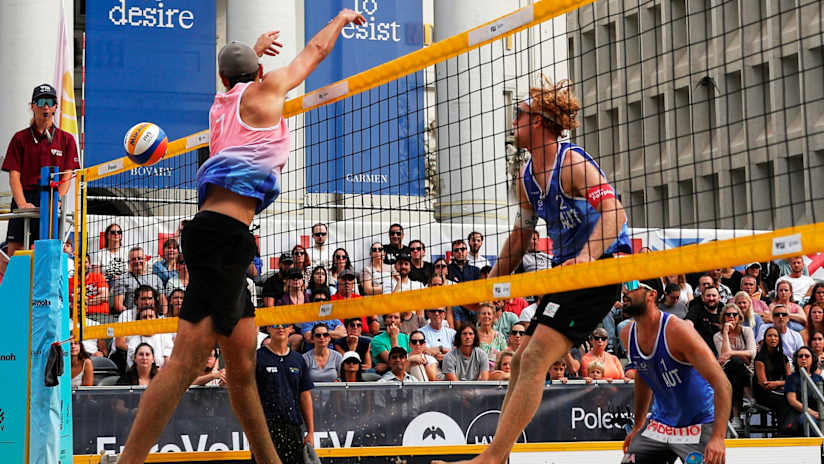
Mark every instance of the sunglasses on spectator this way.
pixel 377 248
pixel 438 266
pixel 320 298
pixel 355 324
pixel 395 232
pixel 41 102
pixel 804 355
pixel 280 326
pixel 416 248
pixel 437 310
pixel 417 341
pixel 517 332
pixel 116 232
pixel 319 234
pixel 458 250
pixel 321 335
pixel 780 314
pixel 600 337
pixel 731 314
pixel 340 256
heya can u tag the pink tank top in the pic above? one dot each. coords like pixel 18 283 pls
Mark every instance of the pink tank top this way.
pixel 243 159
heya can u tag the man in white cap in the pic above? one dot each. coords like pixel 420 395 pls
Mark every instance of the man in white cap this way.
pixel 249 146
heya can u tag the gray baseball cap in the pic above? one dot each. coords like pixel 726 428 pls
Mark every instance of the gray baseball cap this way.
pixel 237 59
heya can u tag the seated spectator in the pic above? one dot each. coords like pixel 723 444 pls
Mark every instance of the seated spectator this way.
pixel 421 365
pixel 275 286
pixel 336 330
pixel 516 334
pixel 557 372
pixel 771 371
pixel 319 280
pixel 528 313
pixel 175 302
pixel 723 291
pixel 441 270
pixel 411 321
pixel 323 363
pixel 467 361
pixel 68 248
pixel 671 302
pixel 503 366
pixel 112 260
pixel 295 293
pixel 161 343
pixel 97 293
pixel 485 272
pixel 212 375
pixel 459 270
pixel 680 280
pixel 783 296
pixel 385 341
pixel 534 259
pixel 790 339
pixel 351 368
pixel 475 240
pixel 816 297
pixel 754 270
pixel 375 272
pixel 799 282
pixel 354 341
pixel 340 262
pixel 397 367
pixel 142 368
pixel 125 285
pixel 515 305
pixel 166 266
pixel 181 277
pixel 400 281
pixel 346 289
pixel 817 346
pixel 420 271
pixel 735 345
pixel 82 367
pixel 395 245
pixel 749 285
pixel 748 316
pixel 319 254
pixel 439 338
pixel 595 371
pixel 302 263
pixel 613 369
pixel 732 279
pixel 704 315
pixel 504 319
pixel 793 423
pixel 491 341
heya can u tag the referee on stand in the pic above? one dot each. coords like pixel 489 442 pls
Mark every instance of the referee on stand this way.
pixel 41 144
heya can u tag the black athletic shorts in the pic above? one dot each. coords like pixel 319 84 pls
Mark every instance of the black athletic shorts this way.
pixel 16 226
pixel 576 313
pixel 217 250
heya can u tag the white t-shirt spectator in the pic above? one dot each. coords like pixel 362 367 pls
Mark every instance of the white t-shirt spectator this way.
pixel 438 338
pixel 478 262
pixel 801 285
pixel 162 345
pixel 528 313
pixel 320 257
pixel 391 285
pixel 112 264
pixel 536 261
pixel 466 368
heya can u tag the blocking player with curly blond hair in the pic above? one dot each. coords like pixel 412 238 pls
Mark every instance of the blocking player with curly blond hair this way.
pixel 564 186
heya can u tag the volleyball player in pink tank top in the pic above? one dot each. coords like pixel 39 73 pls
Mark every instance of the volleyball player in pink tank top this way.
pixel 248 148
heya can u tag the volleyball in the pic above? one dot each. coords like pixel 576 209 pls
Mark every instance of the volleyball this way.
pixel 145 143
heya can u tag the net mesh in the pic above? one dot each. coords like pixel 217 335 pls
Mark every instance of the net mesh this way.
pixel 706 117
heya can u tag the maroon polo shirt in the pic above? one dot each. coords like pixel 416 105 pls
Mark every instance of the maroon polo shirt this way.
pixel 29 151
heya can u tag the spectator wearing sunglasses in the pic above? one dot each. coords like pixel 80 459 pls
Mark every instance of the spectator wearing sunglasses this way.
pixel 516 335
pixel 421 271
pixel 319 254
pixel 735 344
pixel 340 263
pixel 375 272
pixel 790 339
pixel 395 245
pixel 336 329
pixel 459 270
pixel 438 336
pixel 421 365
pixel 40 144
pixel 354 341
pixel 324 364
pixel 612 365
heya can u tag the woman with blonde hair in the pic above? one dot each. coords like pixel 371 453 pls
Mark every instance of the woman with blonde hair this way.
pixel 748 316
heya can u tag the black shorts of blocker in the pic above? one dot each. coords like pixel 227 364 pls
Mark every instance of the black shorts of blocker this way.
pixel 576 313
pixel 217 250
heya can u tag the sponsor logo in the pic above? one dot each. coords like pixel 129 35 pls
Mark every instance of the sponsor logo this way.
pixel 272 369
pixel 151 171
pixel 433 428
pixel 382 31
pixel 597 419
pixel 695 458
pixel 8 357
pixel 294 370
pixel 668 434
pixel 367 178
pixel 150 13
pixel 481 430
pixel 56 152
pixel 40 303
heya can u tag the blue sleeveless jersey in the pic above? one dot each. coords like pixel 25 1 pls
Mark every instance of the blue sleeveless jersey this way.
pixel 681 397
pixel 569 220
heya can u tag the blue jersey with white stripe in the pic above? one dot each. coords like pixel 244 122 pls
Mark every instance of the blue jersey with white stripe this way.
pixel 569 220
pixel 681 396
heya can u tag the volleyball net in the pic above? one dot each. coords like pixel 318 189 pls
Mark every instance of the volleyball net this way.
pixel 707 118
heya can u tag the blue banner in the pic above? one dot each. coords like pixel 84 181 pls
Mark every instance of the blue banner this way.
pixel 371 142
pixel 49 324
pixel 148 60
pixel 15 292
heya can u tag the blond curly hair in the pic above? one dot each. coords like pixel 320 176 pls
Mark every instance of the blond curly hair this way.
pixel 556 103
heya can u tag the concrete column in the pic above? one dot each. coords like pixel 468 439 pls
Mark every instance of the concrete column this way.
pixel 30 49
